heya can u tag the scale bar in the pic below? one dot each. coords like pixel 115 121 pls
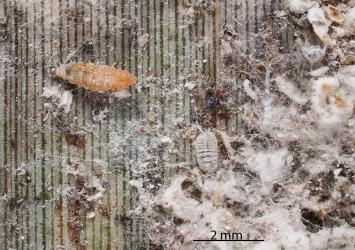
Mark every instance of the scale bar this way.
pixel 228 240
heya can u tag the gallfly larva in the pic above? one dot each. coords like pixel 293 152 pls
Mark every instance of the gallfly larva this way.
pixel 95 76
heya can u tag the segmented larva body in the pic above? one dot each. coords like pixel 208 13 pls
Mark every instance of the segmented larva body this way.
pixel 206 147
pixel 95 76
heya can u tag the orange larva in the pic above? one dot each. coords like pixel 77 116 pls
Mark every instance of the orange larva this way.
pixel 95 76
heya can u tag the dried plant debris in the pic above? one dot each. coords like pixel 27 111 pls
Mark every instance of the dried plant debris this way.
pixel 287 174
pixel 143 40
pixel 74 137
pixel 84 197
pixel 211 105
pixel 60 100
pixel 195 9
pixel 330 21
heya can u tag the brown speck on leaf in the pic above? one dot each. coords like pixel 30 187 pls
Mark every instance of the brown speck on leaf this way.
pixel 311 220
pixel 178 221
pixel 122 218
pixel 322 185
pixel 213 8
pixel 212 105
pixel 236 207
pixel 191 187
pixel 186 183
pixel 57 208
pixel 74 12
pixel 75 138
pixel 74 228
pixel 198 10
pixel 104 211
